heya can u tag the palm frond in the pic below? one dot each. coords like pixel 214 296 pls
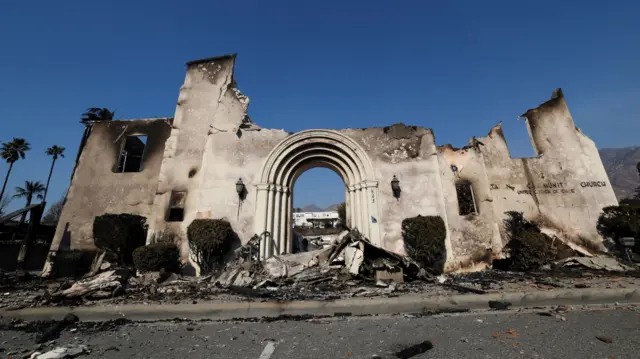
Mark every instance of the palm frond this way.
pixel 14 150
pixel 55 151
pixel 94 114
pixel 30 188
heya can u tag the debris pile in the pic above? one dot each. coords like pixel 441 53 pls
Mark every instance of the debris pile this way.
pixel 103 285
pixel 349 261
pixel 347 266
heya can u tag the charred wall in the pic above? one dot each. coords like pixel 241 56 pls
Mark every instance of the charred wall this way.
pixel 213 143
pixel 97 189
pixel 563 188
pixel 409 152
pixel 193 162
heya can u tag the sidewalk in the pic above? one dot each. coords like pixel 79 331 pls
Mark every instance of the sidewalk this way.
pixel 351 306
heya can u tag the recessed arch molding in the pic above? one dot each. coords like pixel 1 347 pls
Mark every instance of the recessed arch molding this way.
pixel 293 156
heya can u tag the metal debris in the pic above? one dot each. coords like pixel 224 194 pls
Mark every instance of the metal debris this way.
pixel 604 339
pixel 498 305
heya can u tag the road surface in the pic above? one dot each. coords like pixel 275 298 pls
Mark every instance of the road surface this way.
pixel 502 334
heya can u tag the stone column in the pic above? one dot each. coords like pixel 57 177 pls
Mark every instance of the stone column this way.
pixel 358 209
pixel 366 220
pixel 352 207
pixel 374 213
pixel 277 217
pixel 270 204
pixel 347 200
pixel 290 221
pixel 285 220
pixel 362 195
pixel 260 221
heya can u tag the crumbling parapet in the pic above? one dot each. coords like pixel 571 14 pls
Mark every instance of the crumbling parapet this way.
pixel 553 185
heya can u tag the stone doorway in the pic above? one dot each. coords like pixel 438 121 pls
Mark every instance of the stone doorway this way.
pixel 297 154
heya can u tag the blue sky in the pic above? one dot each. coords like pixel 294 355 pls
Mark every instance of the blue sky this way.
pixel 458 67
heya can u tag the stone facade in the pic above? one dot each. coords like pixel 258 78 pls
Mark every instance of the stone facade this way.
pixel 193 161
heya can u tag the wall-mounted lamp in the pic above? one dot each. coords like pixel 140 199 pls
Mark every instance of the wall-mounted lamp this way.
pixel 395 187
pixel 240 188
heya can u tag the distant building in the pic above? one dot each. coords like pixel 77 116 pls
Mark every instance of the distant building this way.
pixel 315 219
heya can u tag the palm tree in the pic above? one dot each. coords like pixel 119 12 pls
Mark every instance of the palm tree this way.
pixel 96 114
pixel 30 189
pixel 12 152
pixel 55 151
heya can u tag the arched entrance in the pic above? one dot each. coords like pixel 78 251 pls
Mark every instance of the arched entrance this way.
pixel 293 156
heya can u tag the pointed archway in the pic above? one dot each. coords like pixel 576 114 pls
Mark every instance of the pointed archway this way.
pixel 293 156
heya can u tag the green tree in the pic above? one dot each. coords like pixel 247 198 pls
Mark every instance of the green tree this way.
pixel 623 220
pixel 27 192
pixel 55 152
pixel 12 152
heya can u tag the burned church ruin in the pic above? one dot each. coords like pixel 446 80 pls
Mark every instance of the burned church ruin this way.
pixel 211 161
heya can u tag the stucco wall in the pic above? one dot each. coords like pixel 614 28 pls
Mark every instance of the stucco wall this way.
pixel 211 143
pixel 95 188
pixel 564 188
pixel 409 152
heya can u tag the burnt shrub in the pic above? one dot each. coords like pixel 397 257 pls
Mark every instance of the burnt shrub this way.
pixel 157 256
pixel 530 250
pixel 120 234
pixel 209 240
pixel 620 221
pixel 529 247
pixel 424 241
pixel 516 223
pixel 74 263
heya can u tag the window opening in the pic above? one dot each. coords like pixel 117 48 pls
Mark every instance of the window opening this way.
pixel 130 157
pixel 466 199
pixel 176 207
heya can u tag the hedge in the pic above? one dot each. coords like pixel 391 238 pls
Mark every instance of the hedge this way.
pixel 157 256
pixel 424 239
pixel 73 263
pixel 120 234
pixel 209 240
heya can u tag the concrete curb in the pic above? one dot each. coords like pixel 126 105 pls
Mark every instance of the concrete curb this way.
pixel 352 306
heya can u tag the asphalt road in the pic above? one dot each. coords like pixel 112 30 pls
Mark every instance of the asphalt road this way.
pixel 486 335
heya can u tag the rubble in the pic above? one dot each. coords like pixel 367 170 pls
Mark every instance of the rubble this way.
pixel 349 266
pixel 351 256
pixel 53 332
pixel 103 285
pixel 69 351
pixel 600 262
